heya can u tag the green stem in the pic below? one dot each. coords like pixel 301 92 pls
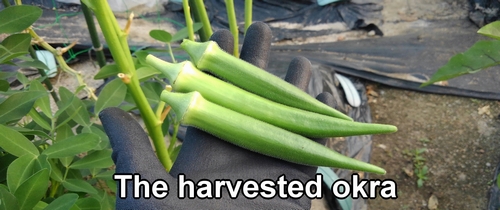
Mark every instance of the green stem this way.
pixel 101 60
pixel 233 25
pixel 171 53
pixel 116 40
pixel 53 189
pixel 46 80
pixel 189 21
pixel 248 14
pixel 200 15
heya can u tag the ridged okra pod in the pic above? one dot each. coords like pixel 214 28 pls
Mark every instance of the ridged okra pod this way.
pixel 185 77
pixel 210 57
pixel 255 135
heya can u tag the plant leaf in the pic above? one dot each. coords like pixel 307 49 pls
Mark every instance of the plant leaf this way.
pixel 491 30
pixel 146 72
pixel 4 85
pixel 24 15
pixel 43 102
pixel 160 35
pixel 111 95
pixel 481 55
pixel 26 132
pixel 19 170
pixel 97 159
pixel 14 46
pixel 63 132
pixel 40 205
pixel 5 162
pixel 32 190
pixel 64 202
pixel 78 185
pixel 56 173
pixel 66 161
pixel 183 33
pixel 82 117
pixel 15 143
pixel 39 119
pixel 8 200
pixel 72 146
pixel 88 204
pixel 102 135
pixel 107 175
pixel 107 71
pixel 18 105
pixel 33 63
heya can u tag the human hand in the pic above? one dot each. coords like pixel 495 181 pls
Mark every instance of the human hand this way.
pixel 205 157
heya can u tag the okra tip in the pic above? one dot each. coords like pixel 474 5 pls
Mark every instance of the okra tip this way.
pixel 180 102
pixel 170 70
pixel 196 50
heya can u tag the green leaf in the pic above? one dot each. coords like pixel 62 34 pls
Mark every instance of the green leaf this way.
pixel 481 55
pixel 146 72
pixel 43 102
pixel 33 64
pixel 66 161
pixel 82 117
pixel 183 33
pixel 15 45
pixel 78 185
pixel 97 159
pixel 106 201
pixel 160 35
pixel 107 71
pixel 18 105
pixel 23 79
pixel 7 200
pixel 32 190
pixel 63 132
pixel 5 161
pixel 56 173
pixel 491 30
pixel 72 146
pixel 24 15
pixel 39 119
pixel 62 106
pixel 64 202
pixel 27 132
pixel 498 180
pixel 102 136
pixel 42 163
pixel 20 170
pixel 40 205
pixel 175 153
pixel 15 143
pixel 88 204
pixel 4 85
pixel 107 175
pixel 111 95
pixel 111 185
pixel 152 91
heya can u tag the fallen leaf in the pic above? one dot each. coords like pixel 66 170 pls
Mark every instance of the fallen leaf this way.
pixel 484 110
pixel 433 203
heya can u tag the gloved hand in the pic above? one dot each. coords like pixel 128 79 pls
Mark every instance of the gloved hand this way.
pixel 204 156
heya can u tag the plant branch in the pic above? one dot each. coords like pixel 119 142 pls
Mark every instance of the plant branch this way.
pixel 189 21
pixel 200 15
pixel 97 46
pixel 117 42
pixel 248 14
pixel 233 25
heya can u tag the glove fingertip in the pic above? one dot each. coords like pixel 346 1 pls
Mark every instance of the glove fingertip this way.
pixel 224 39
pixel 299 72
pixel 257 44
pixel 326 98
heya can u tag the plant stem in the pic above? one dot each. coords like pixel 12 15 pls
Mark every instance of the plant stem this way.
pixel 117 42
pixel 101 60
pixel 248 14
pixel 171 53
pixel 200 15
pixel 46 81
pixel 233 25
pixel 189 21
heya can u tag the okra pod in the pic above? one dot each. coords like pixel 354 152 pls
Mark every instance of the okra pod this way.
pixel 185 77
pixel 258 136
pixel 210 57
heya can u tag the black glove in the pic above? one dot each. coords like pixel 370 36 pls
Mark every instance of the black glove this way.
pixel 204 156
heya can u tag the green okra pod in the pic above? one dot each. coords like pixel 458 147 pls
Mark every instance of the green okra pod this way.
pixel 258 136
pixel 209 56
pixel 185 77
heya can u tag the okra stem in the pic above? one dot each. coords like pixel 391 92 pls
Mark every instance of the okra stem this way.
pixel 244 131
pixel 208 56
pixel 184 77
